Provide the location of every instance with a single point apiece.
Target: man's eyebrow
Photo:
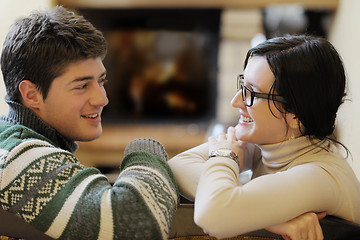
(88, 77)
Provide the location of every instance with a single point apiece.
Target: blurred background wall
(345, 35)
(10, 10)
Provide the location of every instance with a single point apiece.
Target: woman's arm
(187, 167)
(224, 208)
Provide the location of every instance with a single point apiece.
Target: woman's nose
(237, 101)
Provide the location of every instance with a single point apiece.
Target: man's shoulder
(18, 141)
(14, 135)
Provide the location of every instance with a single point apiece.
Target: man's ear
(30, 94)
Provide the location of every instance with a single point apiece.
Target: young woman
(288, 97)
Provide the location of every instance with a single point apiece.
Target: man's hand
(305, 226)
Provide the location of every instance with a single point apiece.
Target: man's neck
(21, 115)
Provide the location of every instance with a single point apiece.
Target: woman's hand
(305, 226)
(228, 141)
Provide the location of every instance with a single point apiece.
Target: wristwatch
(225, 152)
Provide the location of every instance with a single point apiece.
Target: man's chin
(88, 138)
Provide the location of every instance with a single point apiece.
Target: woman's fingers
(231, 134)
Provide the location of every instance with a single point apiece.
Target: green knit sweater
(43, 183)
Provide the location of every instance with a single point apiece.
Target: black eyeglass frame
(241, 85)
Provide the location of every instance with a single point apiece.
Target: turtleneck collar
(281, 155)
(19, 114)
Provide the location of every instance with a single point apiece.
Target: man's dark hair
(39, 48)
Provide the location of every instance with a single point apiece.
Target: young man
(54, 77)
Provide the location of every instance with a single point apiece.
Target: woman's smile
(245, 120)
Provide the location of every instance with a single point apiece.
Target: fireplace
(177, 97)
(161, 63)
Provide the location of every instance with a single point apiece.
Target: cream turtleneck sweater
(289, 179)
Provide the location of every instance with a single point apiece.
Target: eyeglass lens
(245, 92)
(246, 96)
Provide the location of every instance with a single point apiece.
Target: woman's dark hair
(38, 48)
(310, 75)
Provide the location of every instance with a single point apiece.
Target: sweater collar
(19, 114)
(280, 155)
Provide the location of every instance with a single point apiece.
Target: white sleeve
(187, 167)
(224, 208)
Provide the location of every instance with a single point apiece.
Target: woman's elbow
(211, 223)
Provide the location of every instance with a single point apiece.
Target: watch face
(224, 151)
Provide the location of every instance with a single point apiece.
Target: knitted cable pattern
(48, 187)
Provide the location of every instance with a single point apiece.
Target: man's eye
(103, 81)
(82, 86)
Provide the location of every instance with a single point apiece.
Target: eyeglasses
(248, 95)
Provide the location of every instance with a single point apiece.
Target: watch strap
(225, 152)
